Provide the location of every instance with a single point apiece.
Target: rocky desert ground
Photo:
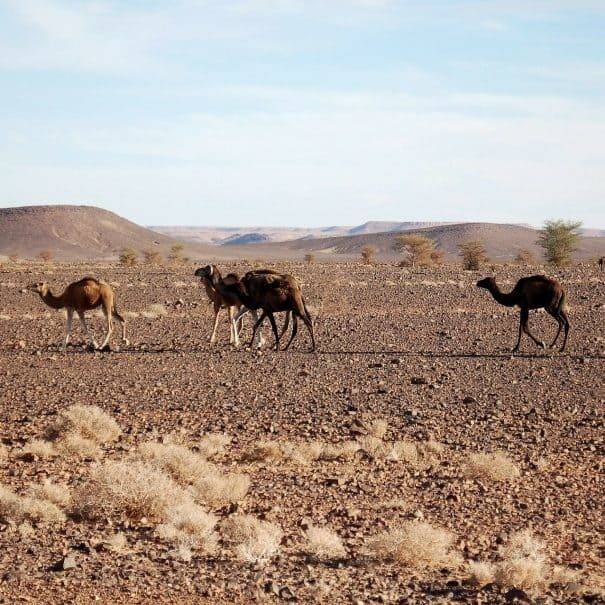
(411, 459)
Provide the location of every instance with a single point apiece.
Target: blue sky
(305, 112)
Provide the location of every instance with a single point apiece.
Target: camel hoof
(542, 344)
(105, 349)
(126, 342)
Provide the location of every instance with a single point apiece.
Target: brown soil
(427, 351)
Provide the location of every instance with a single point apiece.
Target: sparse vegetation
(324, 543)
(309, 258)
(17, 509)
(416, 544)
(52, 492)
(525, 257)
(176, 254)
(88, 421)
(420, 251)
(218, 490)
(367, 255)
(473, 255)
(559, 239)
(45, 256)
(152, 257)
(128, 257)
(496, 467)
(255, 541)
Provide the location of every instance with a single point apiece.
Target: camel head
(40, 288)
(205, 272)
(487, 282)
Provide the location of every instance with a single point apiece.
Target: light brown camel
(81, 296)
(273, 293)
(535, 292)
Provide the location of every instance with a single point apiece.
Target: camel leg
(516, 348)
(275, 332)
(234, 330)
(70, 316)
(565, 319)
(91, 338)
(524, 323)
(309, 325)
(123, 324)
(217, 311)
(259, 339)
(294, 331)
(109, 320)
(256, 326)
(286, 325)
(560, 321)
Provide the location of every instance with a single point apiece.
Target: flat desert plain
(411, 459)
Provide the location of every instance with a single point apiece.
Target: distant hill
(502, 241)
(77, 232)
(244, 239)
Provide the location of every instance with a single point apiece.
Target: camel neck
(502, 297)
(55, 302)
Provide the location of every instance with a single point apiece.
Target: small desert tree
(309, 258)
(418, 249)
(128, 257)
(367, 255)
(45, 255)
(437, 256)
(176, 253)
(152, 257)
(558, 240)
(525, 257)
(13, 258)
(473, 254)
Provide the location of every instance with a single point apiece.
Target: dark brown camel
(601, 262)
(535, 292)
(274, 293)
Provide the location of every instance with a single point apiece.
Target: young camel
(81, 296)
(274, 293)
(536, 292)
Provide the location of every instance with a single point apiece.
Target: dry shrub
(218, 490)
(76, 445)
(116, 543)
(404, 451)
(378, 428)
(339, 451)
(178, 461)
(18, 509)
(213, 444)
(255, 541)
(482, 573)
(302, 453)
(373, 446)
(490, 466)
(189, 525)
(155, 310)
(134, 489)
(88, 421)
(52, 492)
(38, 448)
(416, 544)
(324, 543)
(264, 451)
(3, 452)
(423, 454)
(524, 564)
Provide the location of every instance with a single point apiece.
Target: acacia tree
(420, 251)
(128, 257)
(367, 254)
(473, 254)
(176, 253)
(152, 257)
(45, 255)
(558, 239)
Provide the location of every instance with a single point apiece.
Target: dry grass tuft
(378, 428)
(3, 452)
(421, 455)
(134, 489)
(75, 445)
(88, 421)
(264, 451)
(374, 447)
(19, 509)
(178, 461)
(213, 444)
(490, 466)
(416, 544)
(191, 526)
(154, 311)
(324, 543)
(340, 451)
(524, 564)
(218, 490)
(482, 573)
(38, 448)
(116, 543)
(255, 541)
(52, 492)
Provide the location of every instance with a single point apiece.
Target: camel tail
(116, 313)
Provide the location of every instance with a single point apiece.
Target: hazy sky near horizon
(305, 112)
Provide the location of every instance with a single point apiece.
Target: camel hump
(84, 280)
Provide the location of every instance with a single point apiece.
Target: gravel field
(425, 351)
